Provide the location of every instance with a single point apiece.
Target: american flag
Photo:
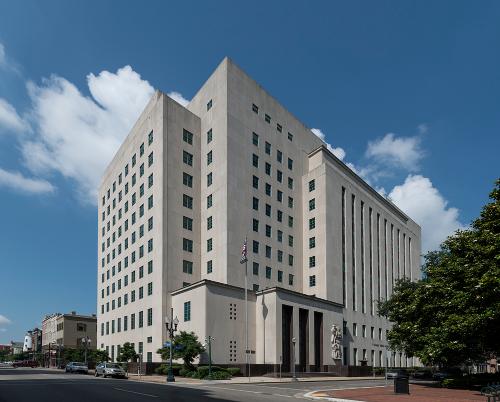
(244, 253)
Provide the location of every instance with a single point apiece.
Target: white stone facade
(323, 246)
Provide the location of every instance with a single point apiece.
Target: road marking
(133, 392)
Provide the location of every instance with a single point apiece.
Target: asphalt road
(54, 386)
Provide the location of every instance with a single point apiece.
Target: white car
(110, 370)
(77, 367)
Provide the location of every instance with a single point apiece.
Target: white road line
(233, 389)
(133, 392)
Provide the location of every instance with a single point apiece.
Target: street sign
(166, 345)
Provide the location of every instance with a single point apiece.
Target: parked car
(396, 373)
(77, 367)
(110, 370)
(422, 374)
(447, 373)
(25, 363)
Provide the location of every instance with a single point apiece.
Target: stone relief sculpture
(336, 341)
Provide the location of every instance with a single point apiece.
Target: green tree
(127, 353)
(186, 347)
(98, 356)
(452, 315)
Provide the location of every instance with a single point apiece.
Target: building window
(312, 223)
(255, 160)
(255, 225)
(312, 185)
(290, 183)
(187, 179)
(150, 181)
(134, 159)
(279, 176)
(290, 136)
(312, 204)
(187, 201)
(255, 246)
(354, 329)
(187, 267)
(280, 276)
(312, 261)
(268, 169)
(209, 267)
(187, 137)
(290, 240)
(255, 182)
(279, 196)
(150, 317)
(268, 210)
(150, 159)
(255, 108)
(268, 231)
(150, 267)
(209, 244)
(312, 242)
(209, 201)
(280, 236)
(267, 118)
(256, 268)
(268, 251)
(268, 272)
(187, 245)
(290, 221)
(290, 202)
(187, 311)
(279, 127)
(150, 202)
(209, 223)
(290, 279)
(268, 189)
(255, 139)
(255, 203)
(290, 260)
(150, 138)
(209, 179)
(312, 281)
(267, 148)
(209, 158)
(279, 216)
(141, 319)
(280, 256)
(187, 158)
(187, 223)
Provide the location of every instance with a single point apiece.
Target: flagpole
(246, 319)
(244, 259)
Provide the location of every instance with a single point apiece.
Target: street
(50, 385)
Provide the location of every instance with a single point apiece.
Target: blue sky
(406, 92)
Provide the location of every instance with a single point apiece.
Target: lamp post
(294, 376)
(209, 340)
(171, 325)
(86, 342)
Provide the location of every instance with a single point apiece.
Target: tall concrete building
(190, 184)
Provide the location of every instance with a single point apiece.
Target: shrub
(184, 372)
(234, 371)
(163, 369)
(219, 375)
(202, 371)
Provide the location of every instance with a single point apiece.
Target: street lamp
(294, 376)
(86, 342)
(171, 325)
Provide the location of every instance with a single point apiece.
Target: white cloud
(76, 135)
(338, 152)
(9, 118)
(17, 181)
(176, 96)
(422, 128)
(420, 200)
(403, 152)
(4, 320)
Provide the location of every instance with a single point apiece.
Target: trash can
(401, 384)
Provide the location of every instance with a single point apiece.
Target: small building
(60, 331)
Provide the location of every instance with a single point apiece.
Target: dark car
(110, 370)
(77, 367)
(422, 374)
(447, 373)
(396, 373)
(25, 363)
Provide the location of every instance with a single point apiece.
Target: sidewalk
(418, 393)
(243, 380)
